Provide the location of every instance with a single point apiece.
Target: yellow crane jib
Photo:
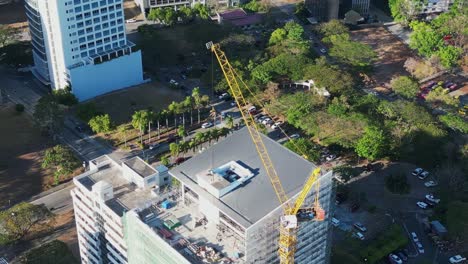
(293, 213)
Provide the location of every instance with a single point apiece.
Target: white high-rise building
(82, 44)
(217, 207)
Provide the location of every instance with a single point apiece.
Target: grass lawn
(121, 105)
(180, 44)
(21, 147)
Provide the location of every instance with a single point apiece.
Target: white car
(417, 171)
(130, 20)
(414, 237)
(359, 236)
(423, 175)
(432, 199)
(457, 259)
(224, 95)
(173, 82)
(395, 259)
(420, 247)
(330, 157)
(266, 120)
(360, 227)
(276, 125)
(430, 184)
(294, 136)
(207, 125)
(233, 103)
(422, 205)
(154, 146)
(323, 50)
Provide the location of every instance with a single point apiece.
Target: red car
(179, 160)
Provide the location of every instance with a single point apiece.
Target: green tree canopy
(7, 34)
(141, 119)
(277, 36)
(405, 86)
(373, 144)
(455, 122)
(351, 52)
(201, 11)
(101, 123)
(304, 148)
(61, 159)
(332, 78)
(405, 11)
(20, 220)
(333, 27)
(48, 114)
(441, 95)
(56, 252)
(424, 38)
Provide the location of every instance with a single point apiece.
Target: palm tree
(123, 129)
(216, 133)
(229, 121)
(225, 131)
(199, 138)
(165, 115)
(193, 144)
(181, 132)
(173, 109)
(175, 149)
(188, 104)
(197, 100)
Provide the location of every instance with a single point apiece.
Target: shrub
(86, 111)
(19, 108)
(65, 97)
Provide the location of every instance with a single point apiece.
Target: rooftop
(239, 17)
(126, 194)
(140, 167)
(249, 202)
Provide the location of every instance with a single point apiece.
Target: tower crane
(292, 211)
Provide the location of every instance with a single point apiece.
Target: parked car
(430, 184)
(266, 120)
(154, 146)
(417, 171)
(359, 235)
(335, 221)
(422, 205)
(420, 247)
(294, 136)
(368, 167)
(179, 160)
(395, 259)
(131, 20)
(423, 175)
(432, 199)
(402, 255)
(414, 237)
(457, 259)
(173, 82)
(360, 227)
(252, 110)
(323, 50)
(330, 157)
(207, 125)
(276, 125)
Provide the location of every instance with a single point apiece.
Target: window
(105, 25)
(95, 12)
(94, 5)
(113, 31)
(106, 39)
(90, 37)
(104, 18)
(79, 17)
(83, 46)
(82, 40)
(96, 20)
(78, 9)
(86, 7)
(98, 27)
(166, 178)
(80, 24)
(98, 35)
(77, 2)
(108, 47)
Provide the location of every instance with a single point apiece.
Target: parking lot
(390, 208)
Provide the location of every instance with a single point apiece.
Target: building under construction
(219, 206)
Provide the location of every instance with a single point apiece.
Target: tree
(373, 145)
(100, 124)
(333, 79)
(20, 220)
(173, 108)
(424, 38)
(351, 52)
(420, 69)
(7, 34)
(56, 252)
(156, 14)
(333, 27)
(141, 119)
(170, 16)
(229, 122)
(295, 31)
(455, 122)
(61, 159)
(181, 132)
(277, 36)
(405, 86)
(188, 104)
(449, 55)
(174, 148)
(48, 114)
(165, 161)
(441, 95)
(122, 129)
(65, 96)
(186, 14)
(404, 11)
(201, 11)
(86, 111)
(304, 148)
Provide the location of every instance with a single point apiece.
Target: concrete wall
(92, 80)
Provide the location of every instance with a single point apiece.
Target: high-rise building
(323, 10)
(216, 206)
(82, 44)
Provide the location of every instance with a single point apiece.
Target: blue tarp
(166, 204)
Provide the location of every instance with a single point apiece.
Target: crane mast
(288, 227)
